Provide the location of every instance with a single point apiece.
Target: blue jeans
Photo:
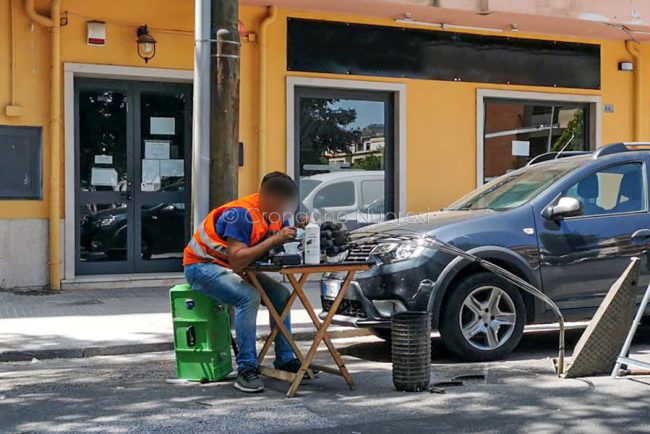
(225, 285)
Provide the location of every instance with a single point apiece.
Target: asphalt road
(130, 394)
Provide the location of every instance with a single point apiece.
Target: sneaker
(249, 381)
(293, 366)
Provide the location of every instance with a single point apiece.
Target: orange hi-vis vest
(207, 246)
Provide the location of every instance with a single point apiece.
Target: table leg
(319, 336)
(276, 317)
(274, 331)
(343, 370)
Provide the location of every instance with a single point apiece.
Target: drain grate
(81, 302)
(493, 375)
(508, 375)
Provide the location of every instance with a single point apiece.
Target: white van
(341, 192)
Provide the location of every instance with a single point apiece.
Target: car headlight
(105, 221)
(396, 252)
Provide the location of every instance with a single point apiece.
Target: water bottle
(312, 243)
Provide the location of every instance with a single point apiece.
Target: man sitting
(231, 237)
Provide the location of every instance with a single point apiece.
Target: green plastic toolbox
(201, 335)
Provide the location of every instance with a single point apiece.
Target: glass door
(103, 174)
(163, 137)
(133, 152)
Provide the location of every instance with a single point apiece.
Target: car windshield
(517, 188)
(307, 186)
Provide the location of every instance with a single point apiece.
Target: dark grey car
(568, 226)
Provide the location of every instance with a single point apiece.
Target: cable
(133, 25)
(625, 29)
(434, 243)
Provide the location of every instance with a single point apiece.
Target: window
(334, 195)
(307, 186)
(612, 190)
(371, 191)
(516, 131)
(21, 163)
(344, 147)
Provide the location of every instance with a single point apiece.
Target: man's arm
(240, 255)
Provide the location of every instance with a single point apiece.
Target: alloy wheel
(487, 317)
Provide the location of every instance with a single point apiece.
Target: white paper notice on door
(150, 186)
(162, 126)
(172, 168)
(150, 171)
(156, 149)
(520, 148)
(103, 159)
(104, 177)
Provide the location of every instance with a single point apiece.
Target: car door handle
(641, 234)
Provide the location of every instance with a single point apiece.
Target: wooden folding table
(321, 328)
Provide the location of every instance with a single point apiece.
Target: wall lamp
(625, 66)
(146, 44)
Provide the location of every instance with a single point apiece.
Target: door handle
(641, 234)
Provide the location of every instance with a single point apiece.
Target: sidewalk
(85, 323)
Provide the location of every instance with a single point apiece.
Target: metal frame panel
(336, 47)
(34, 134)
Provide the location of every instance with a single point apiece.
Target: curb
(80, 353)
(153, 347)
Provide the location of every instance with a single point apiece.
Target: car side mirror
(565, 207)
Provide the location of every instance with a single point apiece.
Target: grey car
(566, 225)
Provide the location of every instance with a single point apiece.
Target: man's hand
(240, 255)
(302, 220)
(285, 234)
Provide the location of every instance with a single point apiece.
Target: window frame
(644, 184)
(593, 120)
(398, 90)
(390, 117)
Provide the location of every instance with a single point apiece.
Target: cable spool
(333, 238)
(340, 237)
(331, 226)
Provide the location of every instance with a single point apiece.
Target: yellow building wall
(32, 52)
(441, 115)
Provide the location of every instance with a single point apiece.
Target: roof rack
(616, 148)
(548, 156)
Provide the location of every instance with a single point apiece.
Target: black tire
(381, 333)
(479, 348)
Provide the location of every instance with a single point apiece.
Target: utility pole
(201, 113)
(224, 101)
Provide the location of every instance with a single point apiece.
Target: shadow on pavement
(532, 346)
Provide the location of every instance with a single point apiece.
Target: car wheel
(483, 318)
(381, 333)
